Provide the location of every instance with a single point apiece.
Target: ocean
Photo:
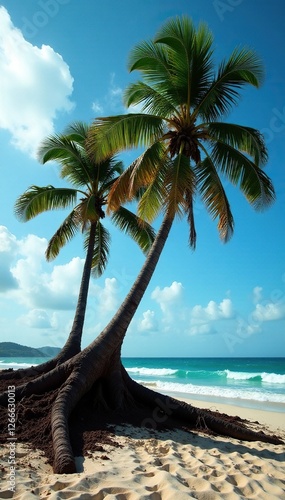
(248, 382)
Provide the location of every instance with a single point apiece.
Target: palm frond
(245, 139)
(152, 101)
(63, 235)
(240, 170)
(154, 197)
(179, 180)
(101, 249)
(77, 131)
(70, 155)
(151, 60)
(213, 195)
(36, 200)
(190, 52)
(141, 232)
(189, 209)
(243, 67)
(116, 133)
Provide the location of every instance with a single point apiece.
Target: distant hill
(12, 350)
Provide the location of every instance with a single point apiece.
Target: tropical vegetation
(91, 183)
(190, 148)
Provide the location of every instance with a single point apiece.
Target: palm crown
(189, 149)
(91, 184)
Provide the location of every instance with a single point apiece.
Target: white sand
(172, 465)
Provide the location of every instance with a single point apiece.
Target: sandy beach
(169, 465)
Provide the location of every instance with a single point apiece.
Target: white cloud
(8, 248)
(202, 318)
(97, 107)
(148, 322)
(168, 295)
(36, 84)
(107, 297)
(36, 318)
(213, 311)
(269, 312)
(257, 294)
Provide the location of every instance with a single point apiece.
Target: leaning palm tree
(187, 151)
(91, 184)
(190, 148)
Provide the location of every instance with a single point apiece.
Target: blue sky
(64, 60)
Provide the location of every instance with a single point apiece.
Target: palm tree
(187, 152)
(190, 149)
(91, 183)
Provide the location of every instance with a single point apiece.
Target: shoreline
(273, 420)
(164, 465)
(239, 403)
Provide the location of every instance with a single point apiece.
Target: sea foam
(216, 391)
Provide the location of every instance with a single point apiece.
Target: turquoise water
(250, 382)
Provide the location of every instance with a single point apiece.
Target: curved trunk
(114, 333)
(73, 344)
(95, 359)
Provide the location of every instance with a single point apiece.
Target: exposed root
(76, 410)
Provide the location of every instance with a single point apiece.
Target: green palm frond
(179, 180)
(116, 133)
(72, 158)
(36, 200)
(64, 234)
(101, 249)
(190, 52)
(243, 67)
(213, 195)
(152, 62)
(151, 100)
(141, 232)
(154, 197)
(106, 173)
(77, 131)
(240, 170)
(245, 139)
(138, 175)
(189, 209)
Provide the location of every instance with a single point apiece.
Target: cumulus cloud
(166, 296)
(169, 300)
(107, 298)
(36, 84)
(147, 323)
(213, 311)
(202, 318)
(37, 318)
(8, 248)
(269, 312)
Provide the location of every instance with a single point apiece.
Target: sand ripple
(172, 465)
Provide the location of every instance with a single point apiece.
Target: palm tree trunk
(101, 356)
(73, 344)
(115, 331)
